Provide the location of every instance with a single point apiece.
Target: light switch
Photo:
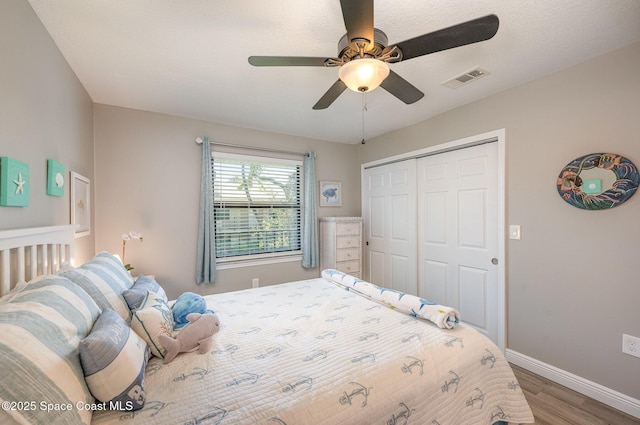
(514, 231)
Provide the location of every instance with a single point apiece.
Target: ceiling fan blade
(286, 61)
(469, 32)
(401, 88)
(358, 19)
(332, 94)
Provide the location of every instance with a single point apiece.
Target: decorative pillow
(105, 279)
(113, 358)
(40, 331)
(151, 320)
(138, 291)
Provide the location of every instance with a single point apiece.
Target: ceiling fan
(363, 53)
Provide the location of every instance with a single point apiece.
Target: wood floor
(554, 404)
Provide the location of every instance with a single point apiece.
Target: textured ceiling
(189, 57)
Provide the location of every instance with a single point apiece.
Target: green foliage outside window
(257, 207)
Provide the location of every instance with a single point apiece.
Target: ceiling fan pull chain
(364, 108)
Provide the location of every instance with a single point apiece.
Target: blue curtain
(310, 227)
(206, 261)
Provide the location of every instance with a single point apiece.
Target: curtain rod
(233, 145)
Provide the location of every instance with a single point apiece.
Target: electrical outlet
(631, 345)
(255, 282)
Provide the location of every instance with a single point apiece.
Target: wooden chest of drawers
(341, 244)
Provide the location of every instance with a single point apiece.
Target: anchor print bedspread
(311, 353)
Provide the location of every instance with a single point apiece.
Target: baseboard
(591, 389)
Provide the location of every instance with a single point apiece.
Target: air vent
(465, 78)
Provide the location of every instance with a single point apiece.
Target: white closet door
(389, 210)
(458, 233)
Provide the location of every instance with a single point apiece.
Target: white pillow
(152, 319)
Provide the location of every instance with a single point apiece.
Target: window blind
(257, 205)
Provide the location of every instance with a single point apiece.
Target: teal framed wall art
(14, 182)
(55, 178)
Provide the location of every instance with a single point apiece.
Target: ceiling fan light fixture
(365, 74)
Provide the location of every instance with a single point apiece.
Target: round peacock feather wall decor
(598, 181)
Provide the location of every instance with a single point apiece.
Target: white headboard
(28, 253)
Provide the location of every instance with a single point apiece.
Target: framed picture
(330, 194)
(14, 182)
(80, 204)
(55, 178)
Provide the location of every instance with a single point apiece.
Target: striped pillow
(40, 331)
(113, 358)
(105, 279)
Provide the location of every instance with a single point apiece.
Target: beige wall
(45, 113)
(148, 179)
(573, 285)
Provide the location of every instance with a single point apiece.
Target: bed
(307, 352)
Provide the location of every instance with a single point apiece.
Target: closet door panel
(389, 210)
(457, 224)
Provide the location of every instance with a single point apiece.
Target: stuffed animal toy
(198, 333)
(185, 304)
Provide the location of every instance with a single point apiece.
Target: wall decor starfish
(14, 182)
(20, 184)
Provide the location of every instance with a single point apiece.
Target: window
(257, 206)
